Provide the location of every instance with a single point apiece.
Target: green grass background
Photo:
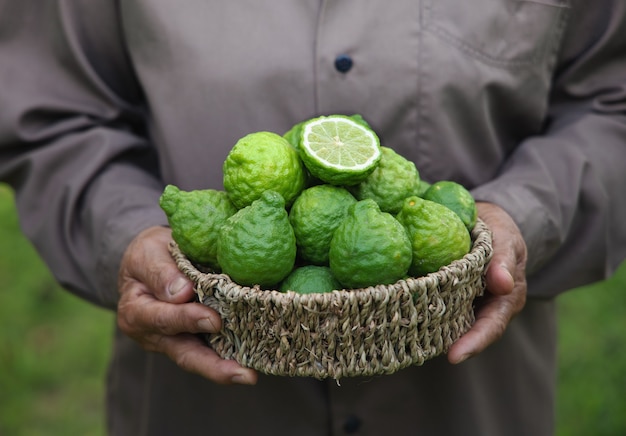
(54, 349)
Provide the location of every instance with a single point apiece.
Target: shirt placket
(366, 62)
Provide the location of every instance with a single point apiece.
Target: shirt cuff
(538, 228)
(117, 236)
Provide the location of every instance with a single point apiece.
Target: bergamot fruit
(294, 135)
(422, 188)
(259, 162)
(339, 150)
(438, 236)
(369, 247)
(256, 246)
(314, 216)
(394, 179)
(309, 279)
(195, 218)
(456, 198)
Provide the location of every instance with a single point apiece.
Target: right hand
(505, 277)
(156, 309)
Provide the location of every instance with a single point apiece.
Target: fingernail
(207, 325)
(463, 358)
(504, 267)
(510, 278)
(178, 285)
(241, 379)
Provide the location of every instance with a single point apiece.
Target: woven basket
(347, 333)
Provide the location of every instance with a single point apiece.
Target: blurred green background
(54, 350)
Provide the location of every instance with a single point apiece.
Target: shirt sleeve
(71, 142)
(565, 187)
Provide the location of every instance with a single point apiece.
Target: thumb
(148, 261)
(509, 250)
(499, 280)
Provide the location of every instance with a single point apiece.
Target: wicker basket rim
(479, 255)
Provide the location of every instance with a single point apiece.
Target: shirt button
(352, 424)
(343, 63)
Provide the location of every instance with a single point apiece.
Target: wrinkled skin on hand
(505, 295)
(156, 309)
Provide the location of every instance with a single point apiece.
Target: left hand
(505, 295)
(157, 310)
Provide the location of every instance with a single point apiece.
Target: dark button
(352, 424)
(343, 63)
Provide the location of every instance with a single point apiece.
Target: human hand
(156, 310)
(505, 295)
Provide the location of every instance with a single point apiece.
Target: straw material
(347, 333)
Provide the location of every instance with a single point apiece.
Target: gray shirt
(104, 102)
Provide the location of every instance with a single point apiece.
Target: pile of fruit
(320, 208)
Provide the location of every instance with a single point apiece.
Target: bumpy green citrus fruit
(256, 246)
(314, 216)
(369, 247)
(259, 162)
(294, 135)
(422, 188)
(339, 150)
(310, 279)
(438, 236)
(456, 198)
(195, 218)
(394, 179)
(357, 118)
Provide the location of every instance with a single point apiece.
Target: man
(104, 102)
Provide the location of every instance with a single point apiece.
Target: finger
(498, 279)
(149, 261)
(509, 250)
(139, 312)
(191, 354)
(505, 260)
(491, 322)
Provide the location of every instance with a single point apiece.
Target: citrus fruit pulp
(339, 150)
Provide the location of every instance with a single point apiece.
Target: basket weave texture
(345, 333)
